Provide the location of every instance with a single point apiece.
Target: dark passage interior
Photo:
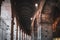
(25, 9)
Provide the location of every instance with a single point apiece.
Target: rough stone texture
(46, 32)
(5, 26)
(2, 30)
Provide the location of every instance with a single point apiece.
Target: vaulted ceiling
(25, 10)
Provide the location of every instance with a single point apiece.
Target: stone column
(6, 16)
(46, 23)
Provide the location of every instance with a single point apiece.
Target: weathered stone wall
(5, 28)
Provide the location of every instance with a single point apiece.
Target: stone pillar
(46, 23)
(6, 17)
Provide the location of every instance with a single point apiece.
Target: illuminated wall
(6, 16)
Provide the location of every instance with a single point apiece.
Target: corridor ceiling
(25, 10)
